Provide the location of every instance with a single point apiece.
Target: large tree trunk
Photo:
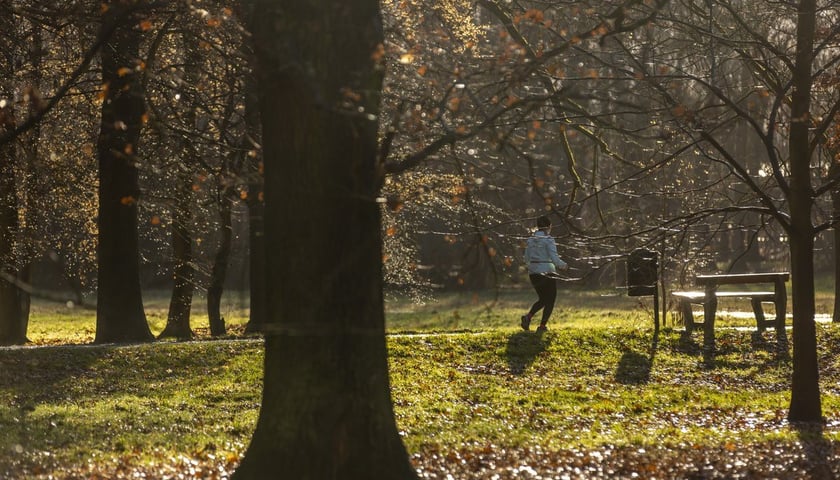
(32, 140)
(326, 409)
(12, 330)
(119, 309)
(805, 390)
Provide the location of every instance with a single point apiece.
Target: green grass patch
(478, 311)
(574, 388)
(57, 323)
(63, 406)
(470, 379)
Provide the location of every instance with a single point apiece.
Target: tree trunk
(835, 205)
(32, 140)
(180, 304)
(220, 265)
(12, 330)
(257, 317)
(256, 209)
(326, 409)
(24, 298)
(119, 309)
(805, 390)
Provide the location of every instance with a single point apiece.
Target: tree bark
(220, 266)
(180, 303)
(835, 206)
(12, 330)
(119, 310)
(257, 316)
(32, 141)
(805, 391)
(256, 209)
(326, 409)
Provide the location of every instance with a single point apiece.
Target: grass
(572, 388)
(59, 324)
(65, 406)
(461, 373)
(478, 311)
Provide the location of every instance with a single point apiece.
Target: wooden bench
(709, 296)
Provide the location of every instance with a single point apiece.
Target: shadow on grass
(523, 348)
(731, 342)
(42, 373)
(634, 368)
(817, 449)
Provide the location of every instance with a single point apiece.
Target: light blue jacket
(541, 254)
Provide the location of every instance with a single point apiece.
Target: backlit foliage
(631, 123)
(195, 128)
(58, 187)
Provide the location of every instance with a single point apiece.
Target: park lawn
(461, 390)
(53, 323)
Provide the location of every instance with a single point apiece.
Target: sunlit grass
(462, 374)
(469, 311)
(585, 388)
(54, 323)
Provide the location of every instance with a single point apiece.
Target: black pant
(546, 292)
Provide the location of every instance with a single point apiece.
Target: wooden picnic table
(711, 293)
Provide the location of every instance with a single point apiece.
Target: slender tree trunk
(251, 143)
(180, 303)
(257, 317)
(24, 298)
(805, 391)
(326, 409)
(119, 311)
(835, 205)
(256, 209)
(220, 266)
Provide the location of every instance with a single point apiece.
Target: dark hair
(543, 222)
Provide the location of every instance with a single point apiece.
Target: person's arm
(552, 252)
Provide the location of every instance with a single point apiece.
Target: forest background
(704, 130)
(485, 130)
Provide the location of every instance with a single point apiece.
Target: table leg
(758, 310)
(688, 315)
(709, 312)
(781, 309)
